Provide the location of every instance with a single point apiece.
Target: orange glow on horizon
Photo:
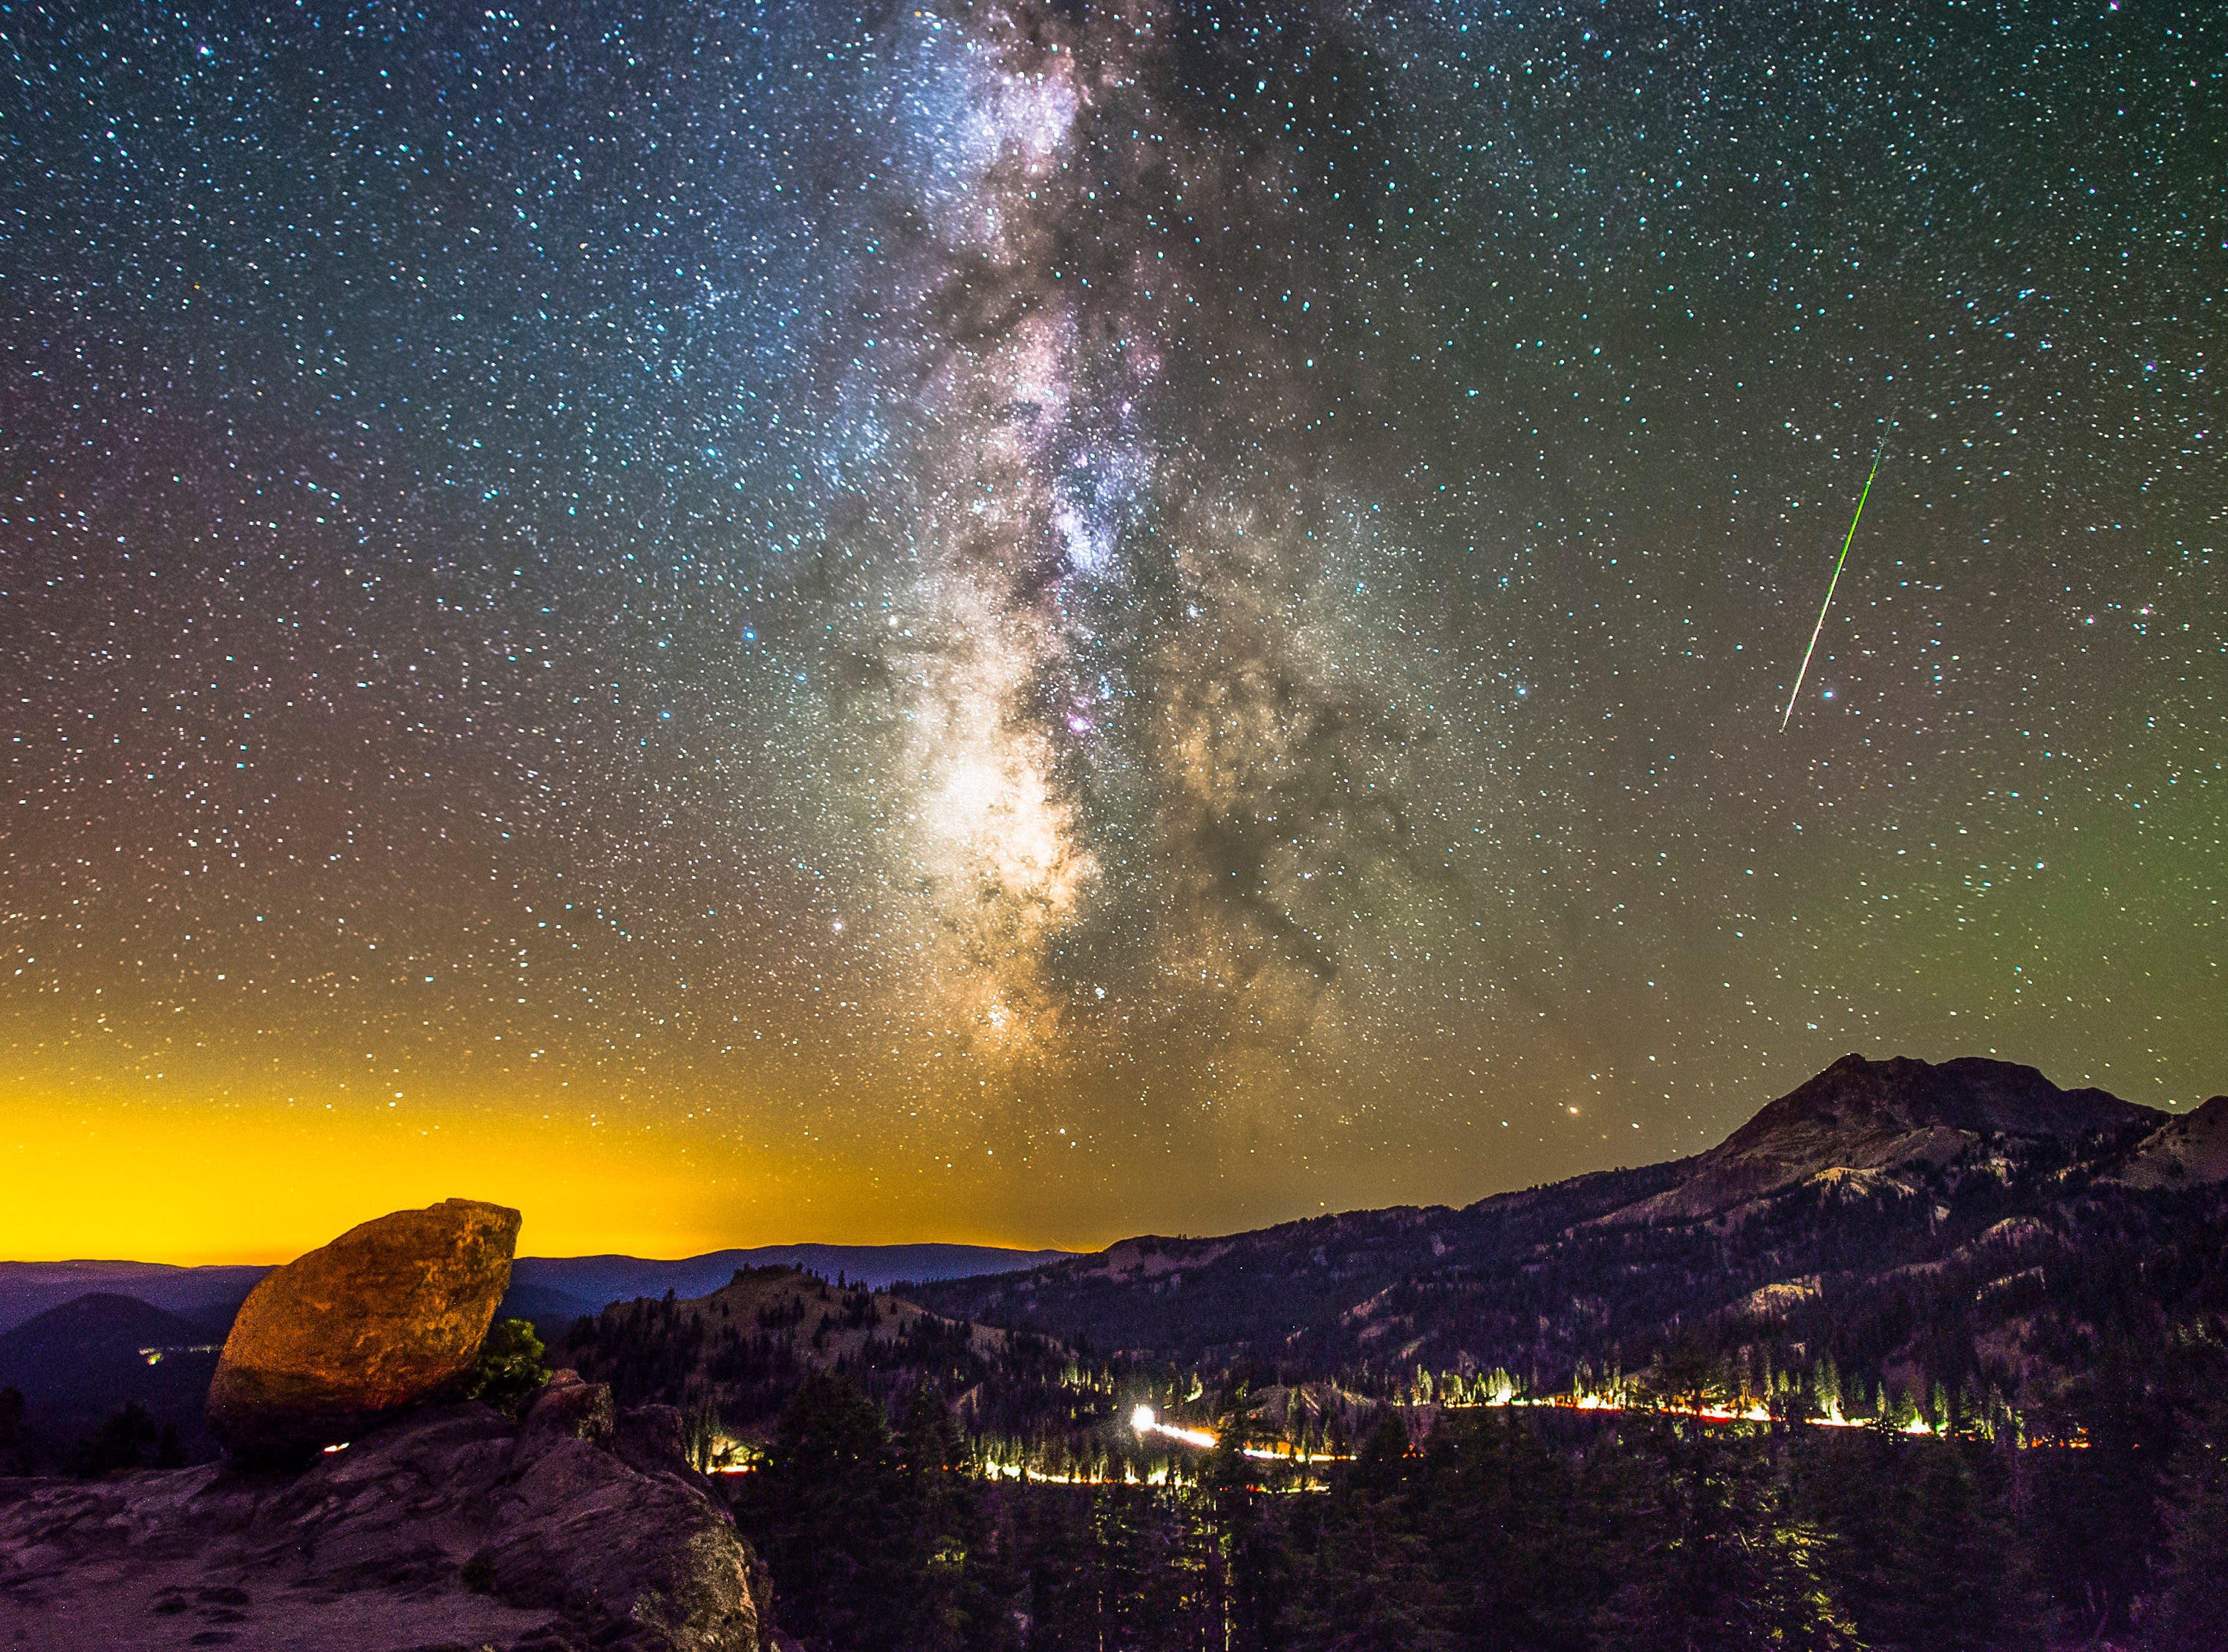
(117, 1181)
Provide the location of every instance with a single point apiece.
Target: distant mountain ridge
(543, 1287)
(1963, 1220)
(29, 1288)
(1966, 1222)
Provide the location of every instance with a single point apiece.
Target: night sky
(746, 623)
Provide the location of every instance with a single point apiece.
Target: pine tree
(1921, 1546)
(15, 1445)
(122, 1442)
(1712, 1556)
(959, 1599)
(826, 1513)
(2192, 1609)
(1370, 1586)
(1517, 1565)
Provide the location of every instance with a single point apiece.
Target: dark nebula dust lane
(1024, 622)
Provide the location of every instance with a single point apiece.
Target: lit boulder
(391, 1313)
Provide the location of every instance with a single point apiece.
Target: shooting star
(1817, 630)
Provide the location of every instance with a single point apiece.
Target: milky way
(988, 622)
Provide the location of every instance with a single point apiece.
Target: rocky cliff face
(385, 1316)
(451, 1528)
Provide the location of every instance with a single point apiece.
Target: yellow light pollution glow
(113, 1180)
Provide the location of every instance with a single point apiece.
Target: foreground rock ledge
(451, 1528)
(390, 1313)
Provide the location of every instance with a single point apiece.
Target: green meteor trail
(1838, 564)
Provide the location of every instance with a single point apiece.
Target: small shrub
(510, 1367)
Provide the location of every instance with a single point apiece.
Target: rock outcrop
(446, 1527)
(389, 1314)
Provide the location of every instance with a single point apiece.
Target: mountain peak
(1861, 1114)
(1969, 1094)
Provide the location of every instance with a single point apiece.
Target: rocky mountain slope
(1967, 1224)
(2188, 1152)
(366, 1499)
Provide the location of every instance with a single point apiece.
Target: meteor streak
(1818, 629)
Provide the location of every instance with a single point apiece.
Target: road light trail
(1817, 630)
(1143, 1421)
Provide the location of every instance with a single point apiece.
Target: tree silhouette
(126, 1440)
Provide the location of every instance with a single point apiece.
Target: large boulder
(391, 1313)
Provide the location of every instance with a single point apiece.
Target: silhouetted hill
(743, 1350)
(553, 1290)
(77, 1363)
(28, 1288)
(551, 1310)
(1280, 1286)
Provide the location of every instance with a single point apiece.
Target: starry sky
(1025, 622)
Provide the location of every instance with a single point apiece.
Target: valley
(1953, 1281)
